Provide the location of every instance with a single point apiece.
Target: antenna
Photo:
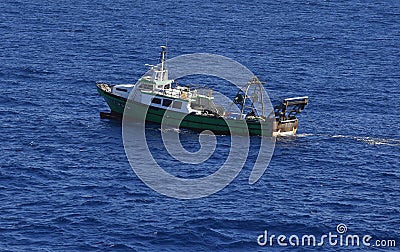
(166, 35)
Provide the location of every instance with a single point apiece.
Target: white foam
(378, 141)
(305, 135)
(372, 141)
(367, 140)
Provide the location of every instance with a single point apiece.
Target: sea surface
(66, 183)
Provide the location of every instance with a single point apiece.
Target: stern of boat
(286, 115)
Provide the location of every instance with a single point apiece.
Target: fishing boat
(155, 95)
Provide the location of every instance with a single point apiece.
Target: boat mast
(163, 70)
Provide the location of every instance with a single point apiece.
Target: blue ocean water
(66, 184)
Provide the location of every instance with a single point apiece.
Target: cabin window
(121, 89)
(167, 86)
(166, 102)
(146, 86)
(156, 101)
(177, 104)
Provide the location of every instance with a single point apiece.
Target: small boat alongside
(155, 95)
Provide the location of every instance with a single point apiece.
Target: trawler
(155, 95)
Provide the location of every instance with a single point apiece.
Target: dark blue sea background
(65, 181)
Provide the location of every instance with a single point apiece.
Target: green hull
(215, 124)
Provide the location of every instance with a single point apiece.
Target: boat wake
(305, 135)
(372, 140)
(364, 139)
